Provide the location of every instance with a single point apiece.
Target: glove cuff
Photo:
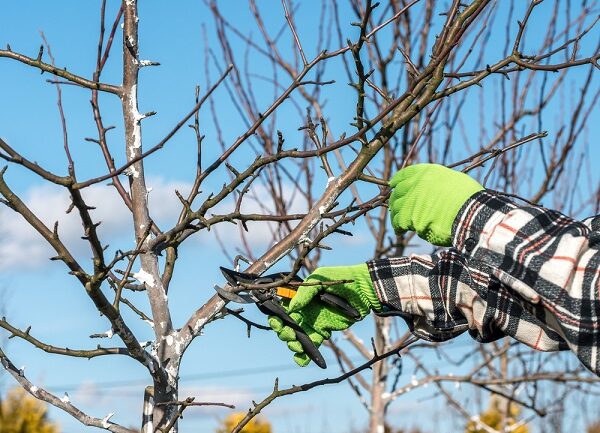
(364, 285)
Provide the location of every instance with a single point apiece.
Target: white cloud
(23, 248)
(88, 393)
(261, 234)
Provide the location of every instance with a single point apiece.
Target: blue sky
(222, 364)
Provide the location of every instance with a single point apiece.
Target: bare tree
(412, 67)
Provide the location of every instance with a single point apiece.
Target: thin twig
(161, 143)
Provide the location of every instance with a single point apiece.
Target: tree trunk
(167, 376)
(380, 371)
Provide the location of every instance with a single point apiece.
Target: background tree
(594, 427)
(501, 415)
(390, 429)
(22, 413)
(413, 68)
(256, 425)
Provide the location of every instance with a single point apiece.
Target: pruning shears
(269, 301)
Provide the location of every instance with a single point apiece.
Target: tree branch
(79, 353)
(45, 67)
(66, 406)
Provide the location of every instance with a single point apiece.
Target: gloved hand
(426, 199)
(319, 320)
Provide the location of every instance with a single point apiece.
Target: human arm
(541, 253)
(530, 248)
(549, 259)
(477, 287)
(544, 257)
(443, 295)
(440, 296)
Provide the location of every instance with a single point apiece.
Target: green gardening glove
(319, 320)
(426, 199)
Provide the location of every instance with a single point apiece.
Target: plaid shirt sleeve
(526, 272)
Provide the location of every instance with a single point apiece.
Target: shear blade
(236, 278)
(234, 297)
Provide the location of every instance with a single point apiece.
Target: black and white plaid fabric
(523, 271)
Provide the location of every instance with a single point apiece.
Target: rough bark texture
(167, 357)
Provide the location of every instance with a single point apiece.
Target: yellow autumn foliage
(495, 414)
(22, 413)
(593, 427)
(256, 425)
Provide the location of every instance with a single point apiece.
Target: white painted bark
(379, 379)
(165, 380)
